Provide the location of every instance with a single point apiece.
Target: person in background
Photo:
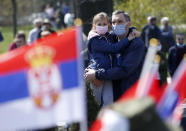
(46, 27)
(69, 19)
(176, 53)
(50, 12)
(1, 37)
(59, 18)
(33, 34)
(151, 30)
(20, 40)
(165, 27)
(167, 39)
(45, 33)
(63, 8)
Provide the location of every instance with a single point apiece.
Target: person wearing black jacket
(176, 54)
(151, 30)
(1, 37)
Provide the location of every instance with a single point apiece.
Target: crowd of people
(59, 17)
(116, 50)
(55, 19)
(41, 29)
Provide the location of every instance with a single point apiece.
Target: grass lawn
(7, 32)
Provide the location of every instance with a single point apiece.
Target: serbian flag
(175, 93)
(41, 84)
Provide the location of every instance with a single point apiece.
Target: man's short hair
(126, 15)
(152, 19)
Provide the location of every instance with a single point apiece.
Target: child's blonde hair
(100, 16)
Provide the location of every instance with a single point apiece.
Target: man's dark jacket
(129, 70)
(176, 54)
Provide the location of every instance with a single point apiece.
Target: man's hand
(131, 36)
(136, 33)
(90, 74)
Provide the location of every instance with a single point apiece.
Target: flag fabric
(150, 68)
(175, 93)
(41, 84)
(155, 91)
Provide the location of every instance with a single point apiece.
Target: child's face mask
(101, 29)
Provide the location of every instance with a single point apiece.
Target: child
(100, 48)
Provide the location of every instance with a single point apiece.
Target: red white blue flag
(41, 84)
(175, 93)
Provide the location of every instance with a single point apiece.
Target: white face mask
(159, 47)
(101, 29)
(119, 29)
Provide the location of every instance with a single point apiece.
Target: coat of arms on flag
(41, 84)
(44, 79)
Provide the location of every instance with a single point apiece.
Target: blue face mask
(180, 45)
(119, 29)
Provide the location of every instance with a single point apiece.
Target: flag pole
(78, 24)
(145, 79)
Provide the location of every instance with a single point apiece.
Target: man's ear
(129, 23)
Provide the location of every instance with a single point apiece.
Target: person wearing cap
(33, 34)
(46, 27)
(167, 39)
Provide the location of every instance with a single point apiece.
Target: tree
(14, 16)
(139, 10)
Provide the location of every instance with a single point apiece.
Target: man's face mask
(119, 29)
